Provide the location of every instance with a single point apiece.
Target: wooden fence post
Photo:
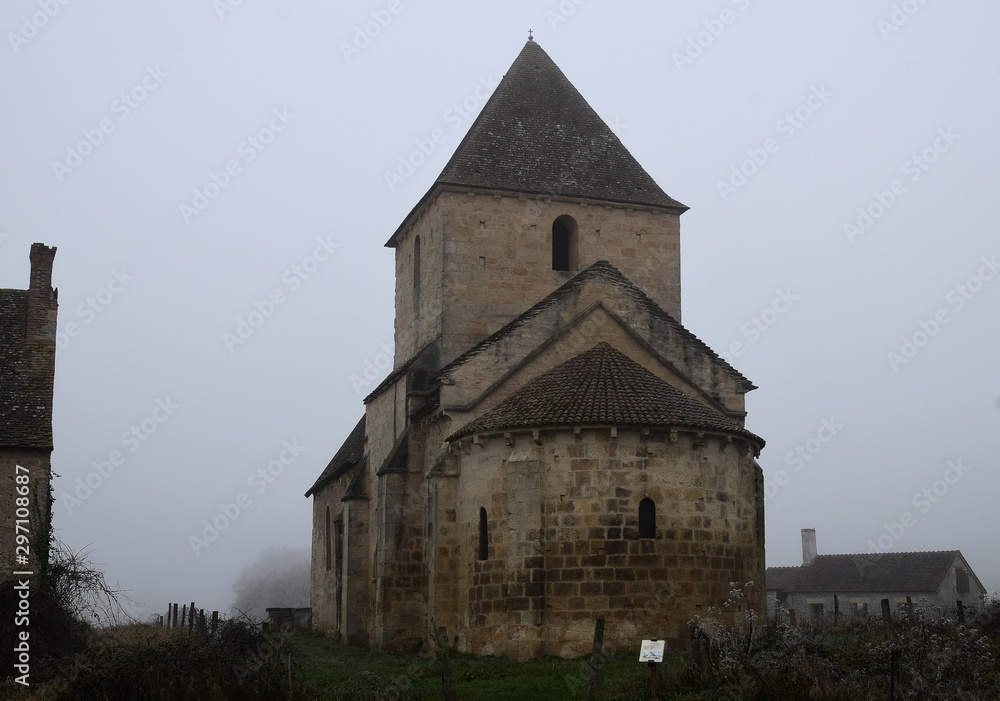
(173, 620)
(961, 611)
(215, 622)
(191, 615)
(836, 609)
(596, 659)
(184, 609)
(886, 611)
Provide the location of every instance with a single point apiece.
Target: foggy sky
(300, 125)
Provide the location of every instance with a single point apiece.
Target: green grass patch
(339, 672)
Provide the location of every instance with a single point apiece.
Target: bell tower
(539, 189)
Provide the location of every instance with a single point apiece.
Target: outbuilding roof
(872, 572)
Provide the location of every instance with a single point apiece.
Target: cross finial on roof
(531, 36)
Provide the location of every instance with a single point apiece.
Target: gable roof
(873, 572)
(601, 386)
(538, 135)
(348, 457)
(602, 270)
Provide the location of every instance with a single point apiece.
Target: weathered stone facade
(552, 445)
(27, 376)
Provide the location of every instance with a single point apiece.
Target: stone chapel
(552, 446)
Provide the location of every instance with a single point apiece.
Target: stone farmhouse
(854, 585)
(27, 375)
(552, 445)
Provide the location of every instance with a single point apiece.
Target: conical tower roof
(538, 135)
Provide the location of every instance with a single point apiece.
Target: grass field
(334, 670)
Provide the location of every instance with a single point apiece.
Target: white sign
(652, 651)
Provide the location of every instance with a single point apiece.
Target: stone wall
(563, 537)
(486, 257)
(323, 586)
(541, 340)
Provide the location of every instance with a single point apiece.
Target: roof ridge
(601, 268)
(889, 552)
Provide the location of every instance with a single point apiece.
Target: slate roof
(538, 135)
(26, 378)
(348, 457)
(602, 269)
(601, 386)
(874, 572)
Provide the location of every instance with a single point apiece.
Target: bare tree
(81, 588)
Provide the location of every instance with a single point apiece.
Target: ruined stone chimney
(42, 301)
(808, 545)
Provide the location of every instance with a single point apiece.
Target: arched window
(416, 263)
(326, 541)
(484, 536)
(647, 518)
(564, 243)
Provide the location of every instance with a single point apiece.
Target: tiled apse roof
(874, 572)
(601, 386)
